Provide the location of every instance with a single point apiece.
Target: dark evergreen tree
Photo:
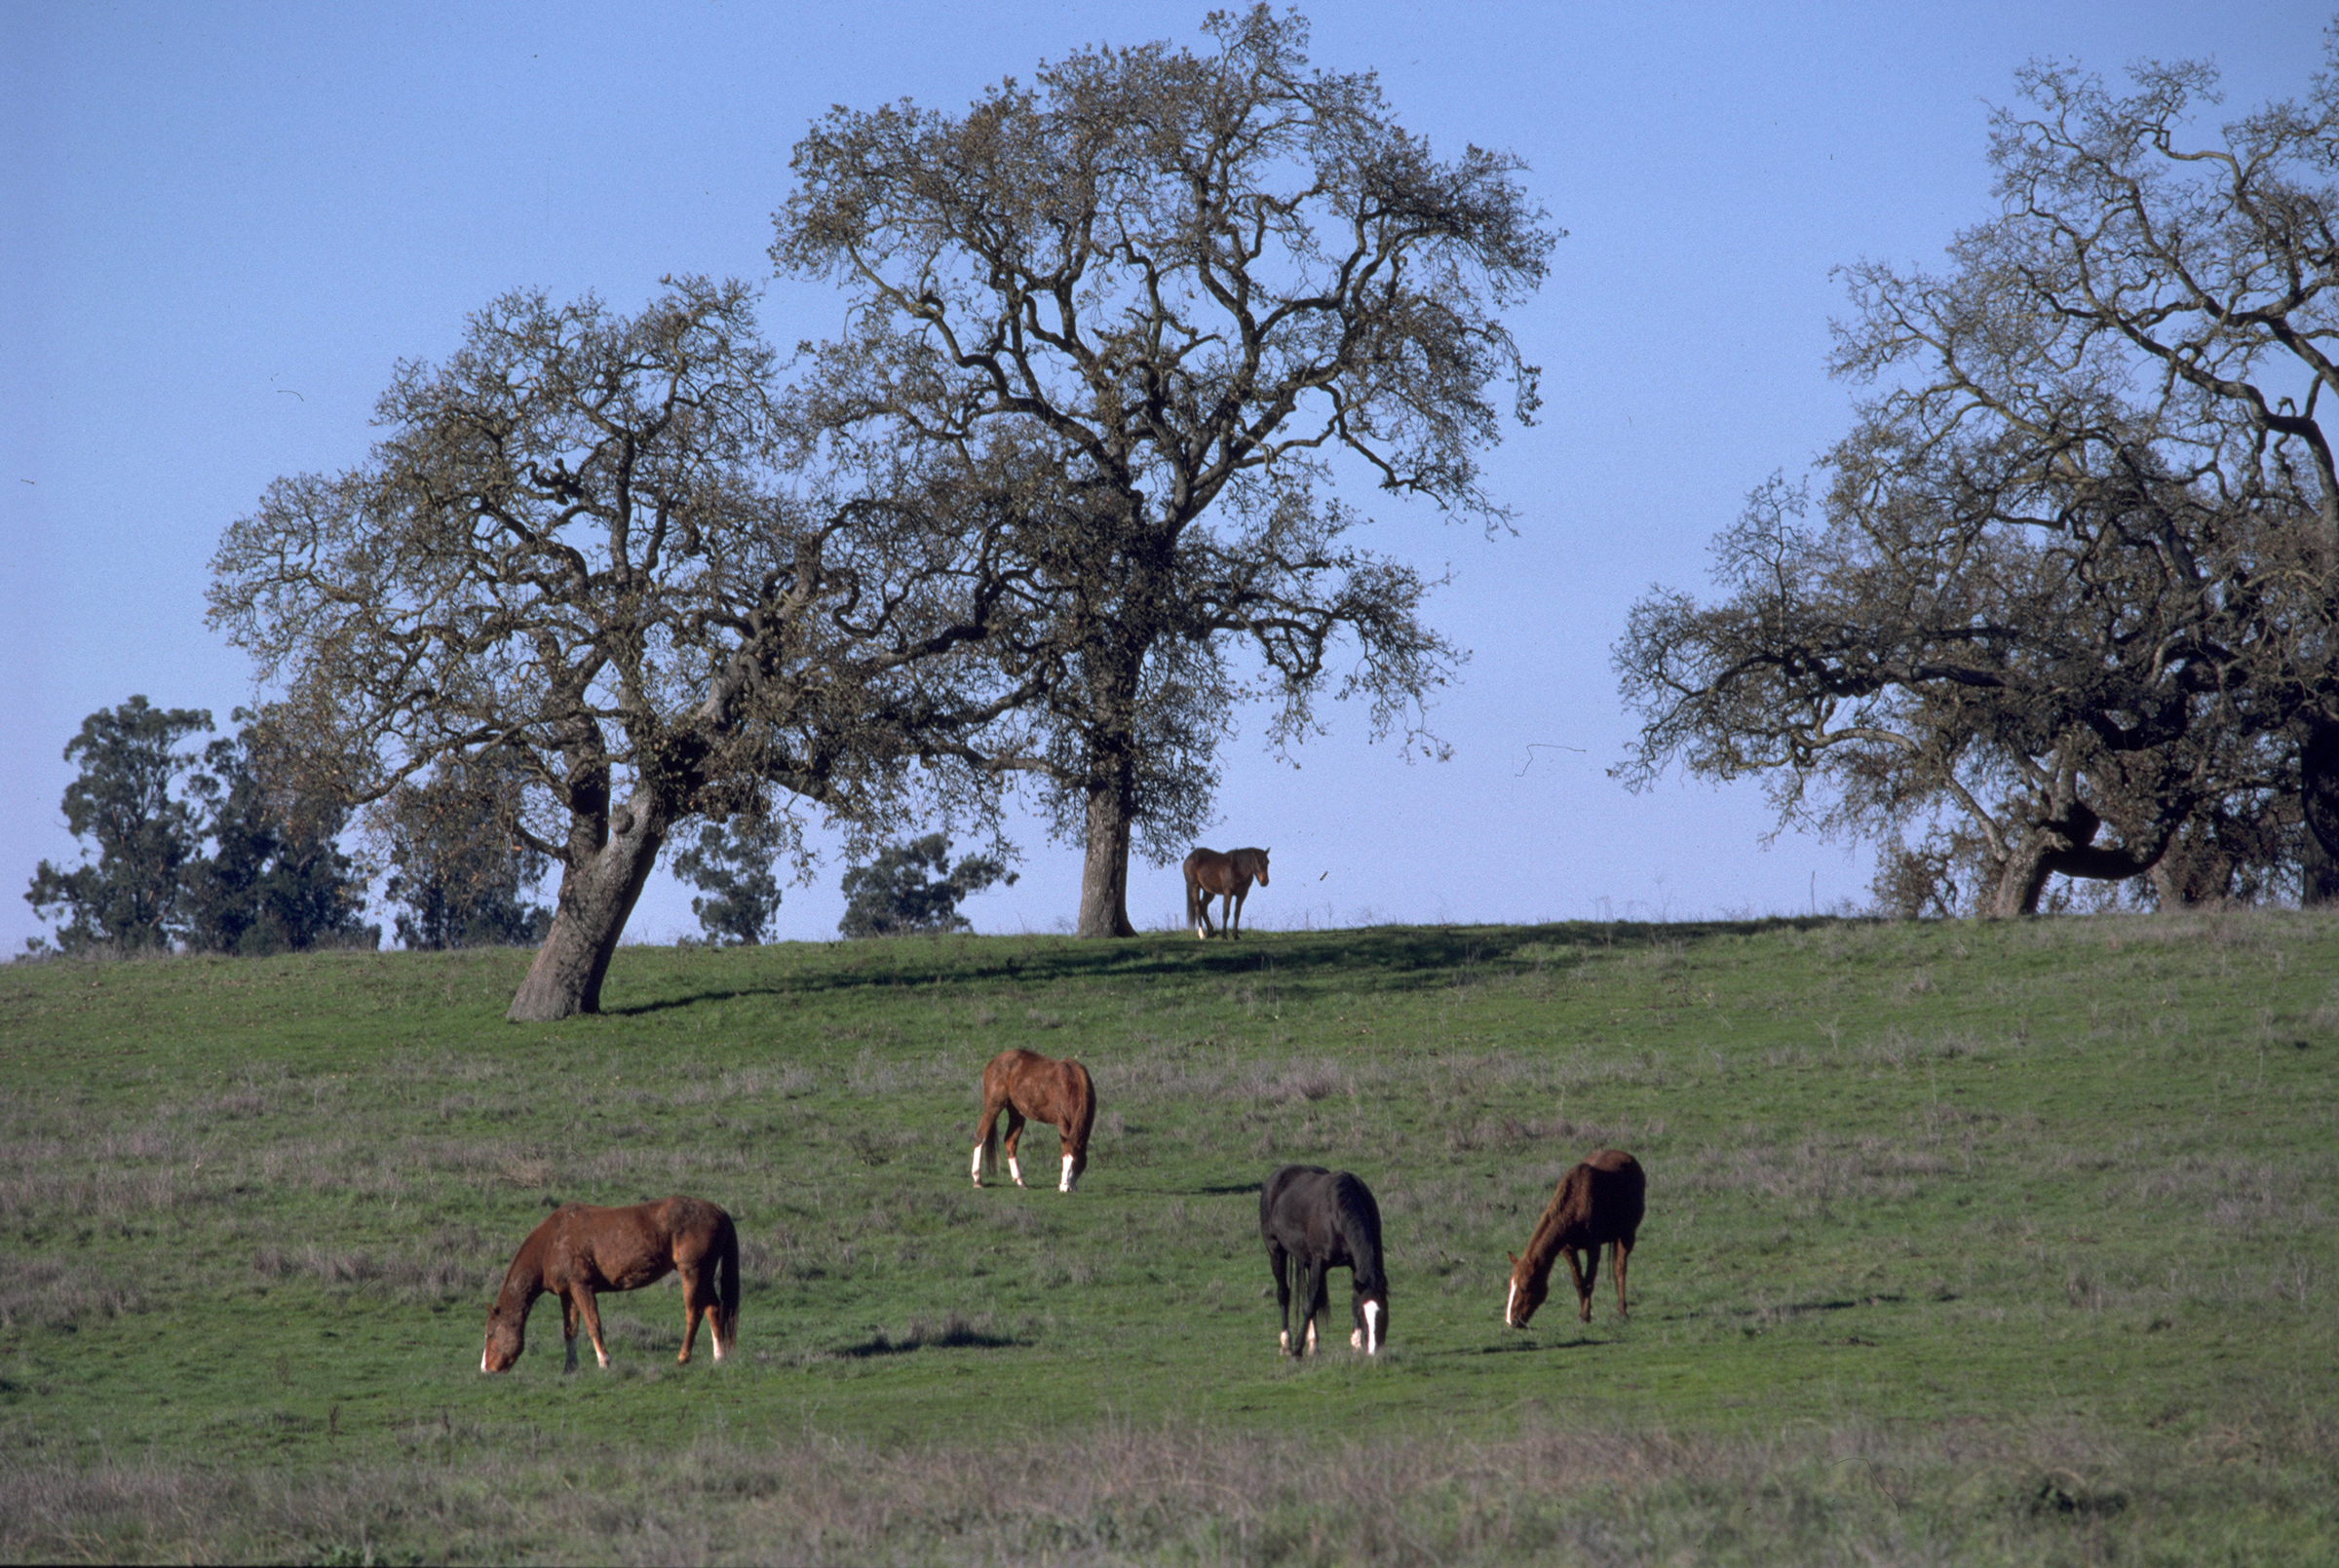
(276, 879)
(892, 896)
(732, 864)
(461, 868)
(129, 805)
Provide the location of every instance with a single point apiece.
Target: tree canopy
(1141, 309)
(2069, 606)
(578, 551)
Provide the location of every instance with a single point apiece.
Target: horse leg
(1316, 1279)
(1198, 919)
(982, 1136)
(568, 1329)
(1622, 1251)
(697, 1297)
(1280, 1261)
(1015, 1136)
(1065, 1130)
(1585, 1278)
(1234, 910)
(589, 1310)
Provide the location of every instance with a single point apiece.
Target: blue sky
(226, 224)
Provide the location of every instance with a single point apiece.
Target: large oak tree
(580, 556)
(2070, 606)
(1148, 305)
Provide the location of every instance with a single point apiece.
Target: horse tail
(726, 1277)
(1193, 890)
(1083, 1113)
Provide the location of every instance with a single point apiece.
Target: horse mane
(1360, 1220)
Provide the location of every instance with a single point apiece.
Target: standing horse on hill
(581, 1248)
(1323, 1220)
(1599, 1200)
(1025, 1084)
(1211, 874)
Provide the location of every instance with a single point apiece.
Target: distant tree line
(210, 849)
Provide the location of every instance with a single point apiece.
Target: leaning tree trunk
(1105, 869)
(597, 892)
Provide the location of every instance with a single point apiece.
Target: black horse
(1321, 1220)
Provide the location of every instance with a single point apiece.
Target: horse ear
(1512, 1257)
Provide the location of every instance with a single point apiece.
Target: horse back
(1599, 1200)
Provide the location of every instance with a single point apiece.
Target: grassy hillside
(1964, 1243)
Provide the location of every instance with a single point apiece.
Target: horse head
(1527, 1290)
(507, 1337)
(1262, 864)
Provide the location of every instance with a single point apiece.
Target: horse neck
(524, 1281)
(1364, 1253)
(1542, 1248)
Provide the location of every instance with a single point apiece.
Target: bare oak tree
(2075, 569)
(1145, 304)
(577, 553)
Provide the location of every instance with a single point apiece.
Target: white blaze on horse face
(1511, 1307)
(483, 1358)
(1067, 1184)
(1372, 1328)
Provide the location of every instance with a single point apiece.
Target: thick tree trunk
(598, 893)
(1105, 869)
(2063, 847)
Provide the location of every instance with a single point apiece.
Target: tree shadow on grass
(1373, 958)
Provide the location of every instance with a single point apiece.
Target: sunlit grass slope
(2010, 1242)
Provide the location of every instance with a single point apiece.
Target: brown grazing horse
(1025, 1084)
(1211, 874)
(580, 1249)
(1599, 1201)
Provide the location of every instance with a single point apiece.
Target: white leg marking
(1067, 1184)
(1015, 1170)
(601, 1356)
(713, 1334)
(1372, 1328)
(1311, 1350)
(1356, 1339)
(978, 1164)
(1283, 1342)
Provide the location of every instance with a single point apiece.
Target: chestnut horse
(580, 1249)
(1211, 874)
(1025, 1084)
(1323, 1220)
(1599, 1200)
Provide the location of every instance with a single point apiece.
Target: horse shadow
(951, 1336)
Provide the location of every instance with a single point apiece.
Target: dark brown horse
(1599, 1200)
(1025, 1084)
(580, 1249)
(1313, 1221)
(1211, 874)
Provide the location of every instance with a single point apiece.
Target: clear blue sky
(224, 224)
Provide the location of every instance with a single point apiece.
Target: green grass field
(1965, 1244)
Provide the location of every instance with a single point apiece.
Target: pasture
(1968, 1244)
